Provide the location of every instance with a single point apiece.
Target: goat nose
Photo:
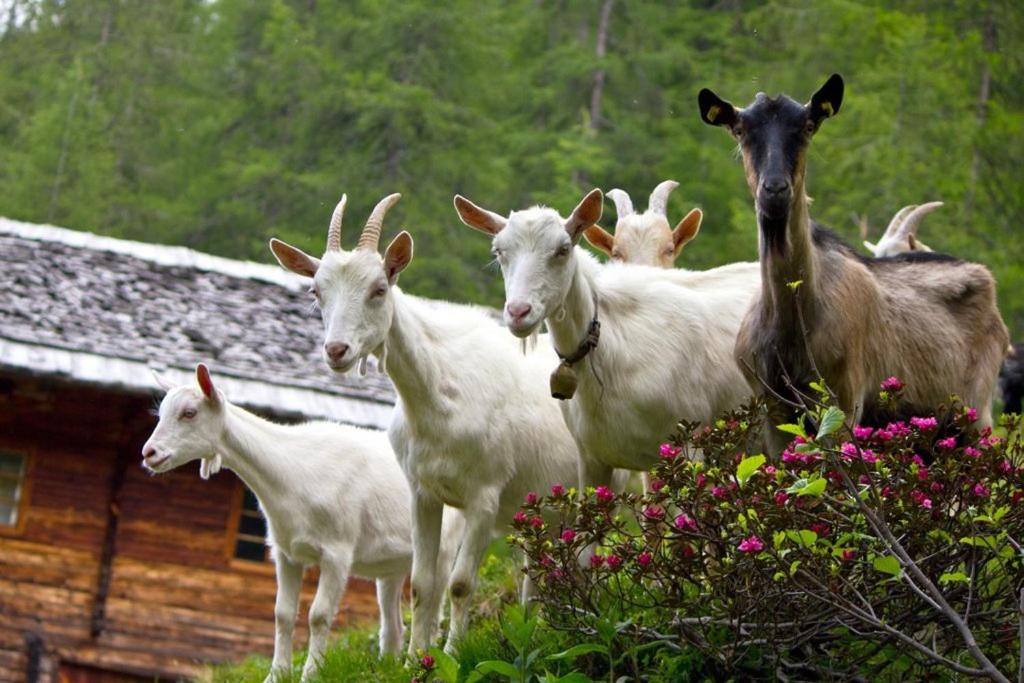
(335, 350)
(518, 310)
(148, 452)
(776, 186)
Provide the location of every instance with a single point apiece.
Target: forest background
(219, 123)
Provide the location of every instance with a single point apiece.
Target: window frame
(233, 536)
(28, 474)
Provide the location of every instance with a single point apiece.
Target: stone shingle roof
(169, 307)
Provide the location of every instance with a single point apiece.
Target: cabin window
(251, 539)
(12, 485)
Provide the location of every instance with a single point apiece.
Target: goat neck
(570, 323)
(796, 262)
(246, 447)
(413, 341)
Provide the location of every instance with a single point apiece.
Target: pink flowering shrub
(809, 564)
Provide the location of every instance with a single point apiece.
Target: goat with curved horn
(370, 237)
(334, 232)
(901, 234)
(658, 202)
(623, 204)
(909, 225)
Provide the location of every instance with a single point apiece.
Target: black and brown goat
(826, 311)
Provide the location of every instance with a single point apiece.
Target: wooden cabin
(106, 572)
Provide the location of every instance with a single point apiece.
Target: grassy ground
(353, 655)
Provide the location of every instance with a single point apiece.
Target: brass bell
(563, 382)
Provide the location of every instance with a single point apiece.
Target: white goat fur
(474, 426)
(667, 336)
(901, 234)
(333, 495)
(645, 238)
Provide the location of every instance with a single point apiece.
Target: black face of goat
(774, 134)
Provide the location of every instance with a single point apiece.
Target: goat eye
(809, 127)
(496, 253)
(315, 291)
(562, 250)
(188, 413)
(379, 290)
(738, 132)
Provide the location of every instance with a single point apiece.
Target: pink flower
(596, 561)
(536, 522)
(820, 528)
(653, 513)
(848, 449)
(936, 487)
(922, 500)
(555, 574)
(568, 535)
(883, 435)
(427, 662)
(887, 492)
(1005, 467)
(718, 492)
(670, 452)
(862, 432)
(519, 517)
(1016, 497)
(604, 494)
(657, 485)
(531, 498)
(789, 457)
(849, 555)
(892, 384)
(898, 428)
(557, 490)
(686, 523)
(752, 544)
(614, 562)
(643, 559)
(781, 497)
(868, 456)
(864, 479)
(700, 479)
(980, 491)
(972, 415)
(922, 473)
(770, 470)
(946, 444)
(917, 460)
(688, 550)
(924, 422)
(972, 452)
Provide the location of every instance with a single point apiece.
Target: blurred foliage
(219, 123)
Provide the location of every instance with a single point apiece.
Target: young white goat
(665, 350)
(901, 235)
(474, 427)
(333, 496)
(646, 238)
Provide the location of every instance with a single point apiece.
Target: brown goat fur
(929, 319)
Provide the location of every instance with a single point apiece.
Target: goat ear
(478, 218)
(687, 229)
(206, 383)
(209, 466)
(162, 381)
(826, 102)
(599, 238)
(398, 255)
(293, 259)
(586, 214)
(714, 110)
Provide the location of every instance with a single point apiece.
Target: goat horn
(334, 232)
(897, 220)
(371, 233)
(623, 204)
(659, 198)
(914, 218)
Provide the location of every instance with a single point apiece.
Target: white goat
(474, 427)
(333, 496)
(665, 350)
(901, 235)
(645, 238)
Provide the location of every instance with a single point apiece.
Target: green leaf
(814, 488)
(571, 677)
(794, 284)
(804, 537)
(831, 422)
(887, 564)
(496, 666)
(794, 566)
(747, 468)
(793, 429)
(954, 577)
(580, 650)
